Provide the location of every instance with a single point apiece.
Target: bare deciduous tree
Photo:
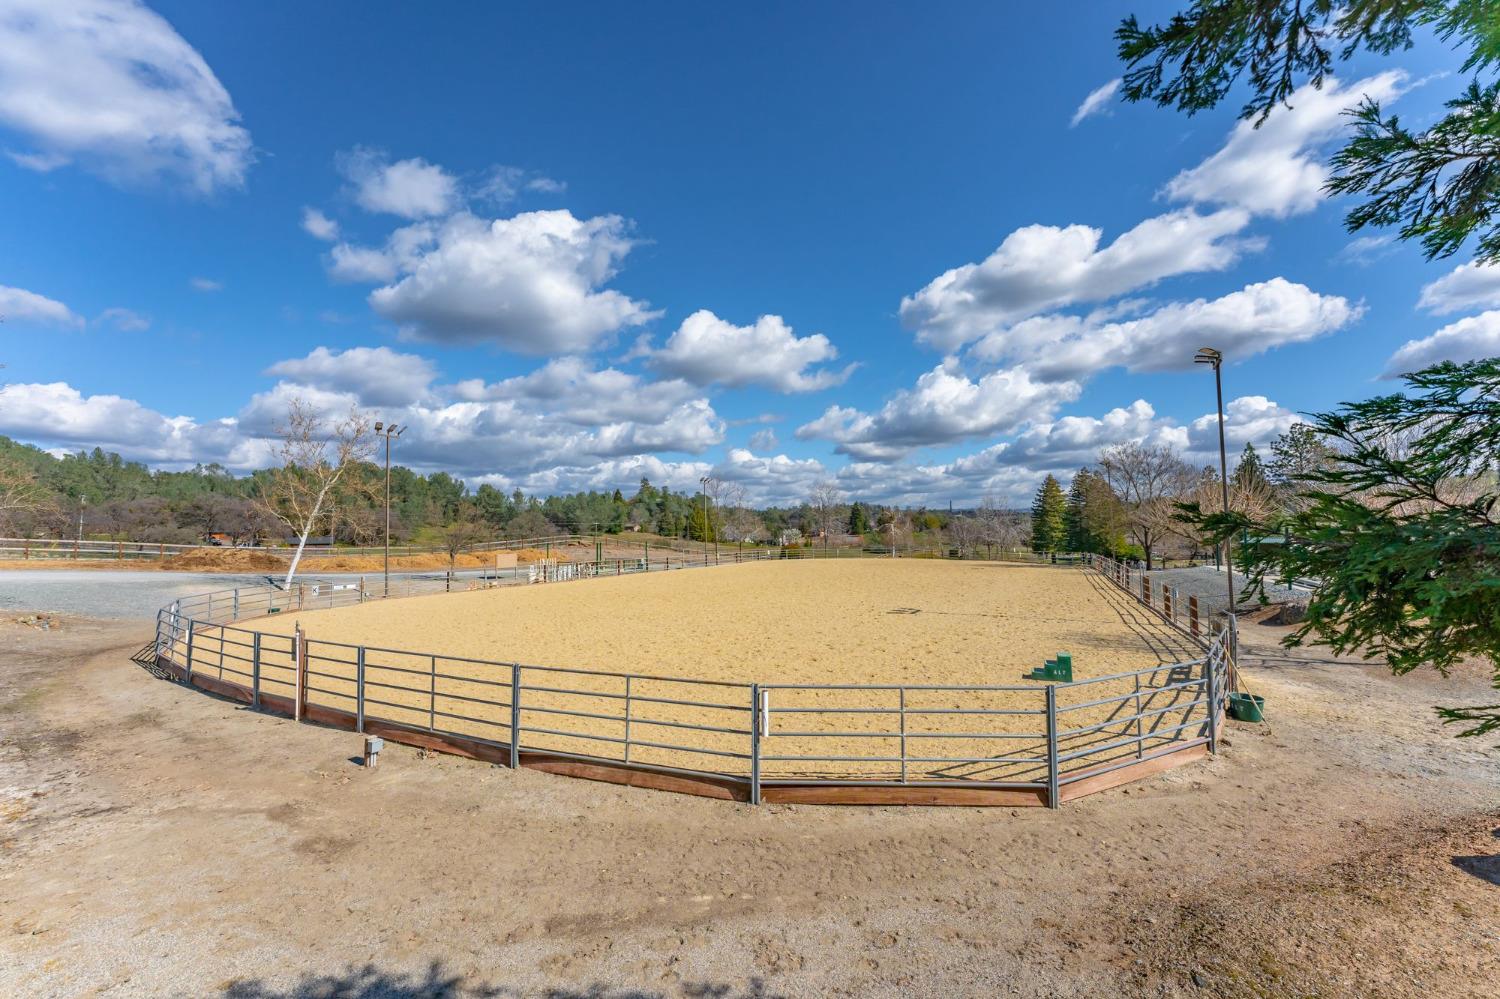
(316, 463)
(19, 492)
(826, 502)
(1149, 479)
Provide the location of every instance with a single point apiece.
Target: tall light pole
(388, 431)
(707, 530)
(1208, 355)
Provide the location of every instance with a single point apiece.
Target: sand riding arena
(837, 681)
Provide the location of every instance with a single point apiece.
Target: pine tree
(1075, 524)
(1250, 473)
(1049, 529)
(859, 519)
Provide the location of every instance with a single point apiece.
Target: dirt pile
(224, 560)
(527, 555)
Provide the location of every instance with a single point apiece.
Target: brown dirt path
(157, 841)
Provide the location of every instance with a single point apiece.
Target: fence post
(190, 651)
(627, 718)
(1052, 765)
(359, 690)
(1140, 723)
(515, 715)
(299, 660)
(255, 669)
(235, 612)
(1146, 589)
(432, 696)
(902, 705)
(755, 725)
(1193, 616)
(1208, 686)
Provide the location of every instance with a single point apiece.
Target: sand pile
(224, 560)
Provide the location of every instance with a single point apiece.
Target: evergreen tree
(859, 519)
(1095, 518)
(1436, 183)
(1404, 542)
(1049, 529)
(1250, 474)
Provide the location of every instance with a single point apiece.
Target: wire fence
(753, 738)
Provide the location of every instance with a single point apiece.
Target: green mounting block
(1059, 669)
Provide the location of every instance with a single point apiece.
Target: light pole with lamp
(707, 526)
(388, 431)
(1208, 355)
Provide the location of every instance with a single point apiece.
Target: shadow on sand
(370, 982)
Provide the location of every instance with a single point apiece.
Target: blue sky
(893, 246)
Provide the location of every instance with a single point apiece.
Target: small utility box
(373, 745)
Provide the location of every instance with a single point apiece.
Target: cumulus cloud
(763, 440)
(1097, 102)
(20, 305)
(532, 284)
(1469, 339)
(1253, 320)
(1250, 419)
(1042, 267)
(110, 85)
(584, 394)
(1468, 286)
(318, 225)
(707, 350)
(1275, 169)
(411, 188)
(58, 414)
(944, 407)
(376, 376)
(124, 320)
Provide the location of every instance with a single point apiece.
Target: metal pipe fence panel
(1031, 736)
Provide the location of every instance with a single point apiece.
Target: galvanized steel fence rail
(753, 736)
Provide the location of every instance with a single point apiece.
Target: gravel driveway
(120, 595)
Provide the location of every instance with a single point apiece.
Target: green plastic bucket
(1247, 707)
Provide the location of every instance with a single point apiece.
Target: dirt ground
(157, 841)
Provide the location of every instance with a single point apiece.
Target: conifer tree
(1049, 529)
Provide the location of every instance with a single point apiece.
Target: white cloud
(109, 84)
(412, 188)
(20, 305)
(584, 395)
(530, 284)
(1249, 419)
(377, 376)
(59, 414)
(206, 284)
(1365, 250)
(1097, 102)
(944, 407)
(318, 225)
(1253, 320)
(1469, 339)
(361, 264)
(124, 320)
(546, 185)
(763, 440)
(1041, 267)
(1468, 286)
(706, 350)
(1274, 169)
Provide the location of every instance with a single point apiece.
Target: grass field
(708, 633)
